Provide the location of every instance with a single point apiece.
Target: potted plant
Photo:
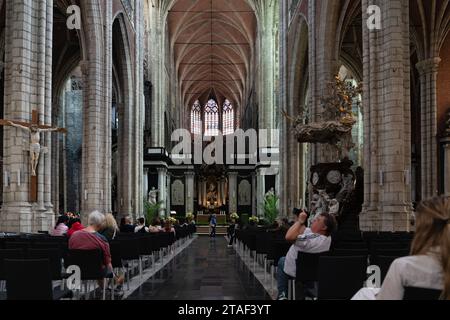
(190, 217)
(271, 208)
(152, 210)
(234, 216)
(253, 220)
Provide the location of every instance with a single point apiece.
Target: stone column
(145, 182)
(190, 191)
(232, 191)
(169, 192)
(28, 61)
(162, 181)
(224, 195)
(446, 166)
(268, 63)
(428, 70)
(49, 214)
(96, 161)
(387, 123)
(200, 192)
(260, 191)
(254, 192)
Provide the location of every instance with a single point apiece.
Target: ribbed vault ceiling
(213, 43)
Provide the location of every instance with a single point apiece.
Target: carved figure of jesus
(35, 139)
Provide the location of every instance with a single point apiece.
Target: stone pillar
(28, 64)
(323, 32)
(162, 187)
(224, 187)
(145, 182)
(387, 123)
(200, 191)
(260, 191)
(47, 32)
(446, 166)
(268, 63)
(139, 110)
(254, 192)
(232, 191)
(96, 163)
(190, 191)
(428, 70)
(158, 55)
(169, 193)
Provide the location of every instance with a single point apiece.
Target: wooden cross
(35, 142)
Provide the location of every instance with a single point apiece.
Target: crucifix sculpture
(35, 147)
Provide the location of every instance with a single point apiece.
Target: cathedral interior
(204, 107)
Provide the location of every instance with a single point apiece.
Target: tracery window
(211, 119)
(228, 118)
(196, 118)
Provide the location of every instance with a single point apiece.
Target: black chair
(395, 253)
(8, 254)
(307, 272)
(31, 280)
(341, 277)
(129, 250)
(384, 262)
(17, 245)
(91, 266)
(350, 252)
(421, 294)
(351, 245)
(54, 257)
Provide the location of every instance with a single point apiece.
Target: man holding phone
(316, 239)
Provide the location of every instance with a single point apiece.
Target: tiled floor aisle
(207, 270)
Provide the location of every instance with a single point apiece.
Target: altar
(204, 219)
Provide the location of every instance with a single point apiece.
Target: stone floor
(206, 270)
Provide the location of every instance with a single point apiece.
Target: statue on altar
(211, 195)
(153, 196)
(270, 193)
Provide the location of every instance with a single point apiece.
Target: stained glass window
(196, 118)
(228, 118)
(211, 119)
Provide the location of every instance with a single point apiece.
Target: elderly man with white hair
(91, 239)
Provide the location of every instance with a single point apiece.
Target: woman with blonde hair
(110, 228)
(428, 267)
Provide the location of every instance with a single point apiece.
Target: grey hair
(96, 218)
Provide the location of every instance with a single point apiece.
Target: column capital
(161, 170)
(428, 65)
(189, 174)
(233, 174)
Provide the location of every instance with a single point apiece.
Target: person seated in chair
(428, 267)
(141, 228)
(126, 226)
(91, 239)
(61, 227)
(316, 239)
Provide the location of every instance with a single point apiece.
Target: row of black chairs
(52, 254)
(351, 250)
(325, 277)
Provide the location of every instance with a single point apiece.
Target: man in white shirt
(316, 239)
